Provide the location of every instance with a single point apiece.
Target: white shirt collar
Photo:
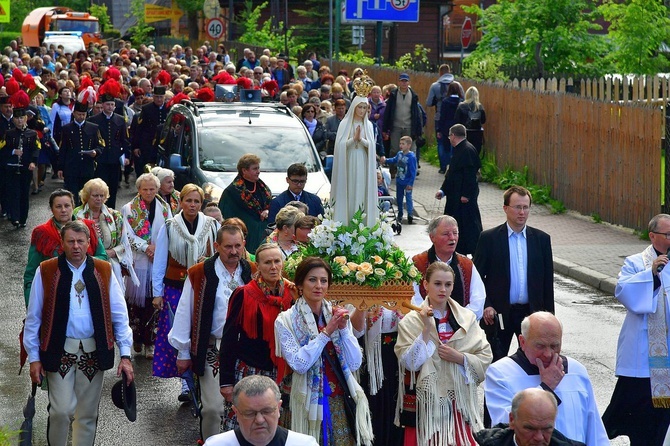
(511, 231)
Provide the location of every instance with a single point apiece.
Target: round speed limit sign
(400, 5)
(215, 28)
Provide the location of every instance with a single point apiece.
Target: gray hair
(523, 394)
(266, 247)
(255, 385)
(147, 177)
(458, 130)
(437, 221)
(656, 219)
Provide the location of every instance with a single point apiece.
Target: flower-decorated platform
(368, 267)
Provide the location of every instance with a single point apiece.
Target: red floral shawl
(46, 238)
(269, 306)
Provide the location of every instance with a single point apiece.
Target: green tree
(546, 36)
(316, 33)
(638, 30)
(191, 8)
(100, 11)
(140, 31)
(264, 35)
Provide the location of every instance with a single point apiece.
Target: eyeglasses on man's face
(297, 182)
(666, 234)
(252, 414)
(520, 208)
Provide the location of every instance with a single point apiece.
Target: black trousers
(111, 175)
(3, 190)
(17, 183)
(631, 413)
(74, 185)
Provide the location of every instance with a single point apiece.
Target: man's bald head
(533, 417)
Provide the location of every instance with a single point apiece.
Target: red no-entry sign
(466, 33)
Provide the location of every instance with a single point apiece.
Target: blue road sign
(383, 10)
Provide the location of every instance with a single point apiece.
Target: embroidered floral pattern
(88, 364)
(139, 217)
(249, 198)
(212, 359)
(389, 339)
(66, 363)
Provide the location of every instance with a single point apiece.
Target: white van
(71, 40)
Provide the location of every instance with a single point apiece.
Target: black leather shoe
(410, 219)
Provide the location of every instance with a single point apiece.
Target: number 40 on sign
(215, 28)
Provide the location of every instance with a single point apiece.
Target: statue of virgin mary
(354, 179)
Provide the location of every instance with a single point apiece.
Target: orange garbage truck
(59, 18)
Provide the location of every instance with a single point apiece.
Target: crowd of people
(199, 288)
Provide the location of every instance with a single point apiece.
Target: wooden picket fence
(599, 149)
(649, 89)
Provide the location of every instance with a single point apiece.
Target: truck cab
(59, 18)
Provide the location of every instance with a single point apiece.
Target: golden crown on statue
(363, 85)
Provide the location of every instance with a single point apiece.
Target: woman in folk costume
(446, 355)
(108, 224)
(248, 344)
(248, 198)
(185, 240)
(143, 217)
(354, 167)
(166, 190)
(317, 341)
(45, 241)
(379, 377)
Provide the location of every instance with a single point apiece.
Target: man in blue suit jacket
(516, 265)
(296, 177)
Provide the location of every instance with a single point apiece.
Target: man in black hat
(76, 313)
(117, 146)
(19, 151)
(6, 123)
(81, 145)
(145, 138)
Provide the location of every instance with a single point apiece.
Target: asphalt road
(591, 324)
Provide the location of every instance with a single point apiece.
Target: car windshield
(277, 147)
(85, 26)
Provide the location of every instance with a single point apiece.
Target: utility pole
(338, 22)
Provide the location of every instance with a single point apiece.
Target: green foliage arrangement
(356, 253)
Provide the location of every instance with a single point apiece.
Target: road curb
(585, 275)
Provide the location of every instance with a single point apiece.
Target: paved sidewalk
(586, 251)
